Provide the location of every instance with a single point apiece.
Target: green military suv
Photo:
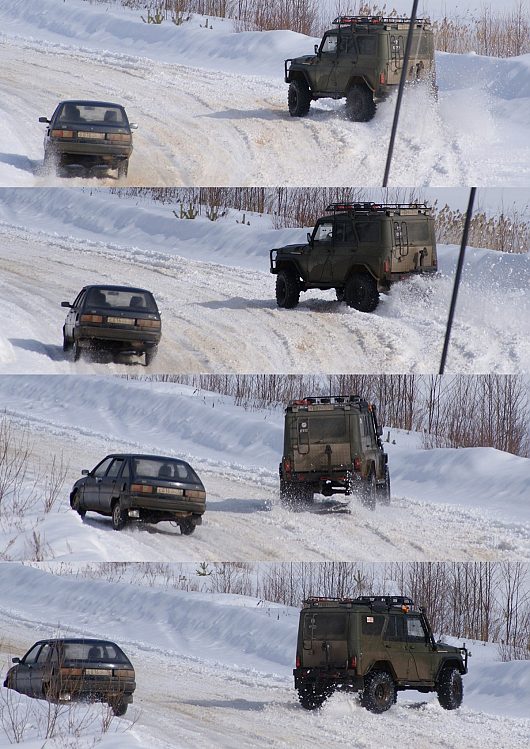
(359, 250)
(375, 645)
(360, 59)
(332, 445)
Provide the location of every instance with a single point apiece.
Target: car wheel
(150, 354)
(76, 350)
(298, 98)
(311, 698)
(369, 491)
(340, 294)
(450, 689)
(67, 343)
(119, 519)
(361, 292)
(383, 492)
(75, 504)
(379, 692)
(187, 527)
(287, 289)
(360, 105)
(119, 707)
(123, 168)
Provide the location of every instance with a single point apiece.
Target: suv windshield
(137, 301)
(164, 468)
(92, 114)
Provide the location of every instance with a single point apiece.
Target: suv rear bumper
(336, 677)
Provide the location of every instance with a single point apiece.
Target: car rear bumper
(112, 151)
(135, 338)
(182, 507)
(97, 688)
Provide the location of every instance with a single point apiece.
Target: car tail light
(386, 266)
(142, 488)
(124, 672)
(148, 323)
(195, 494)
(62, 133)
(382, 78)
(287, 465)
(353, 661)
(298, 661)
(71, 672)
(119, 137)
(91, 318)
(357, 464)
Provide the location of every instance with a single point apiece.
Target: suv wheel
(118, 518)
(361, 292)
(450, 688)
(298, 98)
(340, 294)
(383, 492)
(287, 289)
(379, 693)
(312, 698)
(360, 105)
(369, 491)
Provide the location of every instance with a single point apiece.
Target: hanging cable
(458, 275)
(402, 81)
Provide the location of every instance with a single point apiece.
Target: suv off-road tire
(379, 693)
(119, 520)
(383, 492)
(298, 98)
(361, 292)
(450, 689)
(287, 289)
(360, 105)
(369, 491)
(340, 294)
(312, 698)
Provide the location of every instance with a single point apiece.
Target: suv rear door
(325, 639)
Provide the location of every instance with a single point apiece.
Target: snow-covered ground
(447, 504)
(211, 105)
(216, 671)
(216, 295)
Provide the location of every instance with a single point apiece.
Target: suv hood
(295, 249)
(304, 60)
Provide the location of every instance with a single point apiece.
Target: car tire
(150, 354)
(369, 491)
(379, 693)
(119, 520)
(360, 105)
(287, 289)
(67, 344)
(75, 504)
(312, 698)
(361, 292)
(450, 689)
(119, 707)
(187, 527)
(298, 98)
(340, 294)
(383, 492)
(76, 350)
(123, 168)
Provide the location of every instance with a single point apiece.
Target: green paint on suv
(360, 59)
(359, 250)
(377, 646)
(332, 445)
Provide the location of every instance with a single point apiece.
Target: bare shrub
(54, 482)
(15, 715)
(15, 454)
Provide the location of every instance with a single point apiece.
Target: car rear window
(136, 301)
(169, 470)
(92, 114)
(93, 651)
(325, 626)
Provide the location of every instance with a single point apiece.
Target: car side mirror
(133, 125)
(15, 660)
(44, 119)
(309, 239)
(65, 304)
(85, 472)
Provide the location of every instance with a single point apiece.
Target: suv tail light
(386, 266)
(382, 78)
(353, 661)
(287, 465)
(298, 661)
(357, 464)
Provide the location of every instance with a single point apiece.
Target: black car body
(124, 319)
(75, 669)
(150, 488)
(88, 136)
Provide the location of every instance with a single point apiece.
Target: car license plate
(169, 490)
(98, 672)
(99, 136)
(121, 320)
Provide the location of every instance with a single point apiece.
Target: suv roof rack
(375, 207)
(330, 400)
(378, 21)
(389, 601)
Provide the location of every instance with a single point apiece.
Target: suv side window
(367, 45)
(415, 630)
(368, 231)
(324, 231)
(372, 624)
(343, 231)
(329, 44)
(395, 628)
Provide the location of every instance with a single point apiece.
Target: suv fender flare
(298, 75)
(382, 666)
(289, 265)
(362, 80)
(360, 269)
(453, 663)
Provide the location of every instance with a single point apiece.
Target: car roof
(75, 640)
(144, 456)
(91, 103)
(112, 287)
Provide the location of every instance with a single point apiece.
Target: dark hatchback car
(88, 137)
(149, 488)
(75, 669)
(123, 319)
